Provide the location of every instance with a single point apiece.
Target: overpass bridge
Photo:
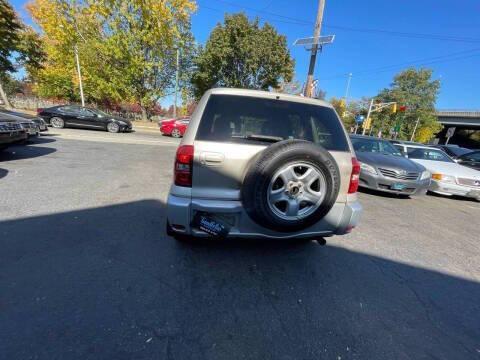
(466, 124)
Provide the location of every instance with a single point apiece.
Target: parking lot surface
(87, 272)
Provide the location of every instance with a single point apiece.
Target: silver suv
(266, 165)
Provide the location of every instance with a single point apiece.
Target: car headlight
(368, 168)
(444, 178)
(425, 175)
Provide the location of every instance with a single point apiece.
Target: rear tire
(57, 122)
(292, 185)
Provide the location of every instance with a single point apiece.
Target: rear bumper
(381, 183)
(454, 189)
(180, 211)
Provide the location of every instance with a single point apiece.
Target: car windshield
(374, 146)
(428, 154)
(249, 119)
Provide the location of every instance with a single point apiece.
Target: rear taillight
(184, 166)
(355, 177)
(39, 110)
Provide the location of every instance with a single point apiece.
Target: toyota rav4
(261, 164)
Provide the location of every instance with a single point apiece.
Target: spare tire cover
(291, 185)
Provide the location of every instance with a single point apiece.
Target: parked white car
(448, 177)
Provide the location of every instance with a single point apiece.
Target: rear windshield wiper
(259, 137)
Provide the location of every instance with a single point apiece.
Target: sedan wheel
(113, 127)
(176, 133)
(57, 122)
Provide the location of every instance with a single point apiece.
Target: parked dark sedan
(471, 159)
(384, 168)
(26, 121)
(11, 131)
(42, 125)
(454, 151)
(81, 117)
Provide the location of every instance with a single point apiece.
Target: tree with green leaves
(20, 47)
(10, 27)
(416, 90)
(241, 53)
(127, 48)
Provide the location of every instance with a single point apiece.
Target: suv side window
(233, 118)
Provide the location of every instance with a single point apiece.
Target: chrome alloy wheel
(57, 122)
(113, 127)
(296, 191)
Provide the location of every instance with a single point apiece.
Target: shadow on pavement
(108, 283)
(383, 194)
(43, 139)
(20, 152)
(3, 173)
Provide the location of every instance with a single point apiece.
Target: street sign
(321, 40)
(451, 131)
(449, 134)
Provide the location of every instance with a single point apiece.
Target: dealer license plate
(398, 186)
(211, 225)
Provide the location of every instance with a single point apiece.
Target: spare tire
(291, 185)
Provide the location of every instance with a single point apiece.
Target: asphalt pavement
(87, 272)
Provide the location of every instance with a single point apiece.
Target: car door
(70, 114)
(89, 119)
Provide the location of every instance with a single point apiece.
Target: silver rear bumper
(180, 211)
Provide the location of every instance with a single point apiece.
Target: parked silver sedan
(384, 169)
(448, 177)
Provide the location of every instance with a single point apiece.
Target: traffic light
(367, 124)
(394, 108)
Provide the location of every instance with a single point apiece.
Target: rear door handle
(211, 158)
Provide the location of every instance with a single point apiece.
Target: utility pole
(368, 115)
(348, 88)
(313, 56)
(79, 74)
(415, 129)
(177, 74)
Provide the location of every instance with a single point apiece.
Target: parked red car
(174, 127)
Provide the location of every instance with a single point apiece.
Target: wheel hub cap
(296, 191)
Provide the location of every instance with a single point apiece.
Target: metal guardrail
(458, 113)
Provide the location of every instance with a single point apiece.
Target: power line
(264, 18)
(420, 62)
(297, 21)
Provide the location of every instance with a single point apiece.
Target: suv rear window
(230, 118)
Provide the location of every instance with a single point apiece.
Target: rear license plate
(398, 186)
(211, 225)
